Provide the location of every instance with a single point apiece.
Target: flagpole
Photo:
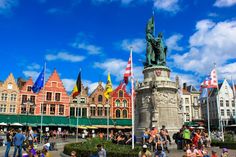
(220, 123)
(43, 93)
(132, 97)
(108, 120)
(77, 112)
(77, 119)
(208, 116)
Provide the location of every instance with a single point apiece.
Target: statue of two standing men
(155, 50)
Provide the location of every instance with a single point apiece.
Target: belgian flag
(77, 88)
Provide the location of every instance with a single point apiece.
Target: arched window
(121, 93)
(125, 114)
(117, 113)
(124, 103)
(100, 98)
(117, 103)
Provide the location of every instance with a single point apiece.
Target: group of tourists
(189, 135)
(26, 141)
(155, 140)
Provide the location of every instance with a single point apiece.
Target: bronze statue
(155, 50)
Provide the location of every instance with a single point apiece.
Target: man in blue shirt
(18, 141)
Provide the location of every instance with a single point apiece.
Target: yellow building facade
(9, 96)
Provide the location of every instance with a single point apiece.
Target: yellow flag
(108, 88)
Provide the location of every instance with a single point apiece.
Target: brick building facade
(53, 99)
(26, 94)
(98, 104)
(121, 107)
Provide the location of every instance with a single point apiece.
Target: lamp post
(27, 106)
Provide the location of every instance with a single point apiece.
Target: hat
(225, 150)
(144, 146)
(153, 126)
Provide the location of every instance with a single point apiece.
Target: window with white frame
(222, 112)
(125, 114)
(228, 112)
(187, 108)
(227, 103)
(13, 97)
(117, 103)
(187, 117)
(3, 108)
(93, 111)
(125, 103)
(61, 109)
(82, 100)
(233, 112)
(99, 111)
(186, 100)
(4, 96)
(12, 108)
(221, 103)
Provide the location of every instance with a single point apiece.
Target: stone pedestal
(157, 101)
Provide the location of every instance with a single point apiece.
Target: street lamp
(28, 104)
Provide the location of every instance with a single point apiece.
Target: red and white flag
(210, 81)
(128, 70)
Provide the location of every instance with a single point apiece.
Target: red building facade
(53, 99)
(121, 107)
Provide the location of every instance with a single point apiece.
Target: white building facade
(221, 106)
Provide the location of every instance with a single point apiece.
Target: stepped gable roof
(99, 86)
(54, 77)
(10, 79)
(121, 86)
(29, 82)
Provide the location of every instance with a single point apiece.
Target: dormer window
(29, 88)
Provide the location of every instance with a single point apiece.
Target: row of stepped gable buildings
(55, 101)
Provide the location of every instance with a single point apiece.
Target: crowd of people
(27, 141)
(155, 140)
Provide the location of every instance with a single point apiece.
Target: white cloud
(227, 71)
(7, 5)
(31, 73)
(224, 3)
(33, 66)
(172, 42)
(68, 84)
(211, 43)
(91, 49)
(65, 56)
(117, 68)
(167, 5)
(138, 45)
(81, 42)
(186, 78)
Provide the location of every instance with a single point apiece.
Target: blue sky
(95, 35)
